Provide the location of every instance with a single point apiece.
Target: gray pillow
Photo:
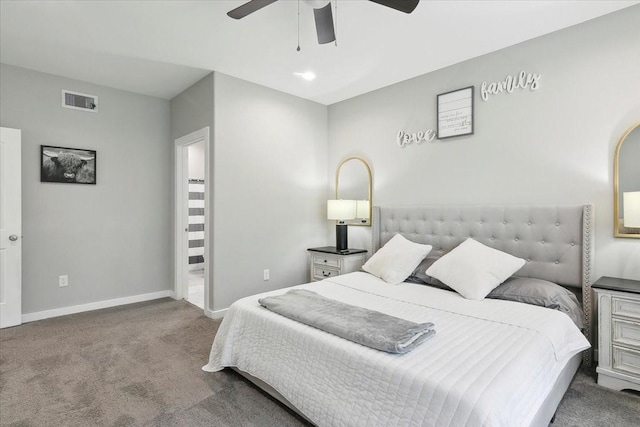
(420, 277)
(540, 292)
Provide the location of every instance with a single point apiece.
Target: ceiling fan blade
(405, 6)
(324, 24)
(249, 8)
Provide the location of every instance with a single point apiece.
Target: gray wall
(552, 146)
(112, 239)
(193, 109)
(270, 179)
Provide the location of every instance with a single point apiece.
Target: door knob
(13, 237)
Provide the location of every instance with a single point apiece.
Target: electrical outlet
(265, 275)
(63, 281)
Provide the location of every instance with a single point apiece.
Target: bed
(491, 362)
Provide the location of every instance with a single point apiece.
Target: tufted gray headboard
(556, 241)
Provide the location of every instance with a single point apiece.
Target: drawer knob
(326, 274)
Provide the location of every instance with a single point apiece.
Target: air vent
(79, 101)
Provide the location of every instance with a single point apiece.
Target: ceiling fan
(321, 12)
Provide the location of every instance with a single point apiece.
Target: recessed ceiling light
(307, 75)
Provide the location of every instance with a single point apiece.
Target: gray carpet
(140, 365)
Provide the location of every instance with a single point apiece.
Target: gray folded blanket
(363, 326)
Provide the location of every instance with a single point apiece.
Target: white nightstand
(618, 333)
(328, 262)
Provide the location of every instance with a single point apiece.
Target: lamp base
(341, 238)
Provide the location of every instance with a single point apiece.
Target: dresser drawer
(626, 333)
(324, 272)
(326, 261)
(626, 360)
(625, 307)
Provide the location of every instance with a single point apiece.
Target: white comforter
(491, 362)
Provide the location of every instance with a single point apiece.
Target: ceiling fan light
(307, 75)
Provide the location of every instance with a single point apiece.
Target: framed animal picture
(67, 165)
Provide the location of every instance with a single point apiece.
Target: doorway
(192, 261)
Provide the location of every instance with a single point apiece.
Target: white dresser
(328, 262)
(618, 333)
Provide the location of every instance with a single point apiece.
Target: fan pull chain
(298, 49)
(336, 25)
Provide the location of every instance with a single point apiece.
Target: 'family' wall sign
(523, 80)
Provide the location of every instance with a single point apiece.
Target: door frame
(11, 298)
(181, 202)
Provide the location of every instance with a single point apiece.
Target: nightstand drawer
(625, 360)
(626, 333)
(625, 307)
(324, 272)
(326, 261)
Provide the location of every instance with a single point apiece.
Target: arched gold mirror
(353, 182)
(626, 184)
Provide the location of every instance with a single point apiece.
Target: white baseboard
(217, 314)
(39, 315)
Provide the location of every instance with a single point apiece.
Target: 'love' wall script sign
(510, 83)
(403, 138)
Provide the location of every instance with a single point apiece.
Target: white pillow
(473, 269)
(396, 260)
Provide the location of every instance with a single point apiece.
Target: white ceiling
(160, 48)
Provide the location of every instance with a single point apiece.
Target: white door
(10, 228)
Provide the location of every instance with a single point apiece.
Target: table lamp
(341, 211)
